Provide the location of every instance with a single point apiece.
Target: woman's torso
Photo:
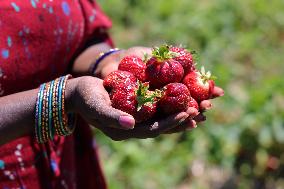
(38, 40)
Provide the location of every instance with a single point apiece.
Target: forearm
(17, 112)
(84, 61)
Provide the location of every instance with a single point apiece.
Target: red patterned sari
(38, 41)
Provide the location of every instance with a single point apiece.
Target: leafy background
(241, 145)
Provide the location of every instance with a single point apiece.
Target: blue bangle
(50, 117)
(101, 57)
(38, 113)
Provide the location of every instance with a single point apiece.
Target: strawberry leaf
(143, 95)
(163, 53)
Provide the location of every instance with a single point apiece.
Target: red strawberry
(137, 101)
(192, 103)
(175, 98)
(162, 69)
(124, 100)
(123, 89)
(134, 65)
(200, 84)
(146, 112)
(117, 78)
(184, 58)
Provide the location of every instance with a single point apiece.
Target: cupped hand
(180, 122)
(92, 102)
(153, 128)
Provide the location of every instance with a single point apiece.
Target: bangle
(66, 121)
(50, 115)
(101, 57)
(38, 118)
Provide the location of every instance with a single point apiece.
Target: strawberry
(200, 84)
(134, 65)
(192, 103)
(123, 89)
(184, 58)
(135, 100)
(162, 69)
(124, 100)
(146, 112)
(117, 78)
(175, 98)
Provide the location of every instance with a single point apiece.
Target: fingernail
(209, 106)
(127, 122)
(181, 117)
(192, 112)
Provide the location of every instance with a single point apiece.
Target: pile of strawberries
(167, 82)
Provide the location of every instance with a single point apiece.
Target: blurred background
(241, 145)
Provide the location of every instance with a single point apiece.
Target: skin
(86, 96)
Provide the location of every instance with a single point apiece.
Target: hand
(92, 102)
(175, 123)
(180, 122)
(110, 63)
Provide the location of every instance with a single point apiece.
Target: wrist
(70, 93)
(104, 60)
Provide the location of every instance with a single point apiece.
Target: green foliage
(241, 145)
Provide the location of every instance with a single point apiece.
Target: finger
(140, 51)
(205, 105)
(108, 115)
(168, 123)
(217, 92)
(145, 131)
(188, 125)
(177, 119)
(152, 130)
(200, 118)
(192, 112)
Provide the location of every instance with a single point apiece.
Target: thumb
(116, 118)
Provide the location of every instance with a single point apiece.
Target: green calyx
(143, 95)
(163, 53)
(206, 76)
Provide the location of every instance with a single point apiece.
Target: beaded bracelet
(50, 116)
(101, 57)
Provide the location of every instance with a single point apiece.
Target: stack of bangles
(50, 116)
